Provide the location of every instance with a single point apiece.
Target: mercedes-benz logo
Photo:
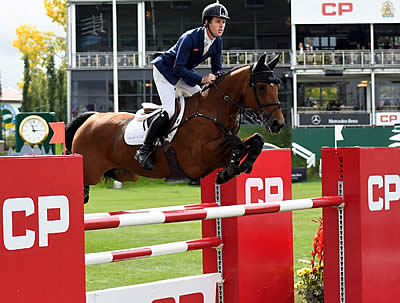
(316, 119)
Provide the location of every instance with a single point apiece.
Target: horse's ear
(273, 62)
(260, 63)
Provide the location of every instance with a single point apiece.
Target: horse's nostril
(277, 125)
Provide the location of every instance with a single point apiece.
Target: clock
(34, 129)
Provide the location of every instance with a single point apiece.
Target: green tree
(51, 83)
(61, 113)
(39, 92)
(26, 104)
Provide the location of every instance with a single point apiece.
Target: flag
(338, 134)
(58, 133)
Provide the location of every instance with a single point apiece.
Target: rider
(174, 69)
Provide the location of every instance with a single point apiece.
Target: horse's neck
(231, 87)
(211, 102)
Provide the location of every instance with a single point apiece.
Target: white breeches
(166, 91)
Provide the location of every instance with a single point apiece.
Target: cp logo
(382, 190)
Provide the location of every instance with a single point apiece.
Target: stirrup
(144, 160)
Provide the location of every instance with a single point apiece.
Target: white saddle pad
(137, 128)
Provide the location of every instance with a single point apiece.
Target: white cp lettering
(45, 226)
(383, 181)
(267, 184)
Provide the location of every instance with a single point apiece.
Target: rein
(262, 76)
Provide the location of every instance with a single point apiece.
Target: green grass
(154, 193)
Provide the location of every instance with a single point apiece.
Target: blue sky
(12, 14)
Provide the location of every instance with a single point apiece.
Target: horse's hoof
(246, 168)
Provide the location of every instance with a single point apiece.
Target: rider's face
(217, 26)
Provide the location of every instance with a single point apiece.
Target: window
(93, 28)
(352, 95)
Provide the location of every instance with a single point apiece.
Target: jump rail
(150, 251)
(160, 217)
(136, 211)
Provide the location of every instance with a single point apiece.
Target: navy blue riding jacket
(180, 60)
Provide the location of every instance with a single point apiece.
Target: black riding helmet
(214, 10)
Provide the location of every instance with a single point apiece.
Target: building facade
(340, 61)
(146, 27)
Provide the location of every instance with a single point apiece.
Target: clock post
(33, 129)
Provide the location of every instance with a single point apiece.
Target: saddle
(150, 110)
(144, 117)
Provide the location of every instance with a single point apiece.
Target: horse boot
(156, 129)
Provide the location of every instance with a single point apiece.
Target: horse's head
(262, 97)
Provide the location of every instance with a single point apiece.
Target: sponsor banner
(331, 119)
(387, 118)
(299, 174)
(194, 289)
(345, 11)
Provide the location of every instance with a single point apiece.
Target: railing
(343, 58)
(131, 59)
(306, 59)
(104, 60)
(387, 57)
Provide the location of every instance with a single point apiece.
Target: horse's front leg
(253, 146)
(233, 169)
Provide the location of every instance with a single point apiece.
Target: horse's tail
(73, 127)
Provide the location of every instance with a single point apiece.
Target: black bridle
(257, 115)
(266, 77)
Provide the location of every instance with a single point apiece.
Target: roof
(10, 95)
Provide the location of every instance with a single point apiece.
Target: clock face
(34, 129)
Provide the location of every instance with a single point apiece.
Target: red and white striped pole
(160, 217)
(146, 210)
(155, 250)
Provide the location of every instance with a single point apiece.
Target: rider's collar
(207, 26)
(207, 38)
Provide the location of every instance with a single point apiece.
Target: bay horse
(206, 138)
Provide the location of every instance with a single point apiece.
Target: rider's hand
(208, 79)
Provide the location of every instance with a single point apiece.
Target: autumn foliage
(38, 45)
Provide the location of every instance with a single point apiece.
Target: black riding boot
(156, 129)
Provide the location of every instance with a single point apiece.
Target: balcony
(89, 61)
(328, 59)
(305, 60)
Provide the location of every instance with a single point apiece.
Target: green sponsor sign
(315, 138)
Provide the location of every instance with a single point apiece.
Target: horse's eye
(260, 87)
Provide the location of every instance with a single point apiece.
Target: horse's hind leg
(86, 190)
(253, 147)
